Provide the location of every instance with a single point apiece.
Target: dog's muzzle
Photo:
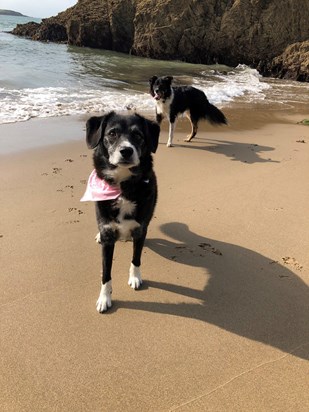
(125, 156)
(157, 96)
(126, 153)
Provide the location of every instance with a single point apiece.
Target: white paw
(105, 301)
(169, 144)
(98, 238)
(135, 279)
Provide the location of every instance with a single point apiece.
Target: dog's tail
(214, 115)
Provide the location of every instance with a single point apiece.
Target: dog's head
(160, 87)
(121, 141)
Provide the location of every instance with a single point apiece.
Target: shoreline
(37, 133)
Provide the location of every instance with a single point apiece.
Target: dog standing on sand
(124, 188)
(172, 101)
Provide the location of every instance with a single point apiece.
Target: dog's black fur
(173, 101)
(122, 157)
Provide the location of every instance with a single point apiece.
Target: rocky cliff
(272, 35)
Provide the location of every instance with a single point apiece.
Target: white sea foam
(24, 104)
(242, 82)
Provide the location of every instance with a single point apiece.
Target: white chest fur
(125, 226)
(163, 107)
(119, 174)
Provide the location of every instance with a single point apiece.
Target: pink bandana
(97, 189)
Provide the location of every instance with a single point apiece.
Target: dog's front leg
(135, 278)
(105, 301)
(159, 117)
(171, 131)
(171, 135)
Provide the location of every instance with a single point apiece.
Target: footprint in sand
(206, 247)
(288, 261)
(57, 170)
(71, 222)
(209, 248)
(74, 209)
(292, 262)
(67, 187)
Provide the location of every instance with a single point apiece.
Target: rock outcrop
(293, 63)
(44, 32)
(271, 35)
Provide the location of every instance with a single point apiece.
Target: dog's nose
(126, 152)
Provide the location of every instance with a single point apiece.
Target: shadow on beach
(242, 152)
(247, 294)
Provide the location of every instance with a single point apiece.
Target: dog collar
(98, 189)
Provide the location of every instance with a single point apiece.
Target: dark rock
(293, 63)
(53, 31)
(252, 32)
(27, 30)
(42, 31)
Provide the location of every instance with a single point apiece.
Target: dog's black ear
(153, 133)
(152, 80)
(169, 79)
(94, 129)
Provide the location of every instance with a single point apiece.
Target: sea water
(39, 79)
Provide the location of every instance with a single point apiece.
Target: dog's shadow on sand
(247, 293)
(236, 151)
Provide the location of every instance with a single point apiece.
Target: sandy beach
(221, 322)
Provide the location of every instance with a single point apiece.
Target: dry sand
(222, 320)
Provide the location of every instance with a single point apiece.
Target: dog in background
(172, 101)
(124, 188)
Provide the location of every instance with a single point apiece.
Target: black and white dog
(172, 101)
(124, 187)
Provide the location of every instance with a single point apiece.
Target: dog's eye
(112, 133)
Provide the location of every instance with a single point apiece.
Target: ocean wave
(241, 82)
(23, 104)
